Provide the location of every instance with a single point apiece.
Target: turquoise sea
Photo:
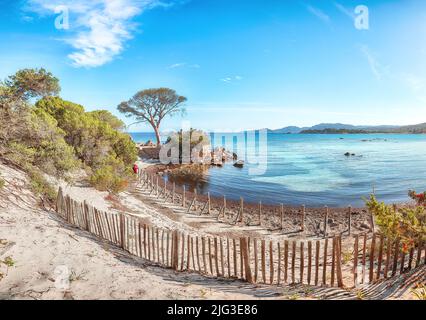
(313, 169)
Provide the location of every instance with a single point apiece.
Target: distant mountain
(348, 128)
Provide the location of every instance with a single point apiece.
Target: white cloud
(99, 28)
(176, 65)
(319, 14)
(376, 68)
(232, 79)
(345, 10)
(184, 64)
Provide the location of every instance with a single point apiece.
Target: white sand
(44, 250)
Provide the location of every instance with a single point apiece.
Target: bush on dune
(108, 152)
(406, 223)
(56, 137)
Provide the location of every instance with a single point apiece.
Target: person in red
(136, 169)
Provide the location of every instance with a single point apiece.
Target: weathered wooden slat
(241, 264)
(246, 261)
(263, 257)
(333, 261)
(326, 221)
(410, 258)
(182, 253)
(419, 253)
(158, 245)
(256, 269)
(228, 257)
(293, 263)
(222, 264)
(286, 261)
(122, 230)
(271, 263)
(175, 250)
(388, 257)
(188, 253)
(349, 220)
(371, 258)
(203, 248)
(317, 255)
(234, 245)
(140, 239)
(324, 267)
(355, 266)
(279, 263)
(197, 247)
(339, 262)
(395, 258)
(148, 233)
(216, 255)
(192, 254)
(380, 258)
(302, 261)
(364, 249)
(164, 259)
(309, 261)
(210, 256)
(402, 267)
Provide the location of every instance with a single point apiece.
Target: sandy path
(41, 249)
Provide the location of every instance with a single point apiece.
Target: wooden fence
(320, 262)
(237, 213)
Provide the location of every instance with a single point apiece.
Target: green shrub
(40, 186)
(2, 183)
(106, 179)
(406, 223)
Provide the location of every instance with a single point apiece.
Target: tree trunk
(157, 135)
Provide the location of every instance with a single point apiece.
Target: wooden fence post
(302, 261)
(339, 262)
(317, 255)
(244, 252)
(256, 269)
(349, 220)
(326, 221)
(379, 263)
(293, 263)
(263, 256)
(333, 260)
(372, 249)
(355, 267)
(324, 269)
(285, 261)
(271, 263)
(395, 257)
(122, 230)
(302, 224)
(279, 263)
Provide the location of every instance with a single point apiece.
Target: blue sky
(241, 64)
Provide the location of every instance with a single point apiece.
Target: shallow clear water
(313, 169)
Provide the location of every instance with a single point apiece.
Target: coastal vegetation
(335, 131)
(406, 223)
(42, 134)
(151, 106)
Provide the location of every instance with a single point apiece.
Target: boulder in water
(239, 164)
